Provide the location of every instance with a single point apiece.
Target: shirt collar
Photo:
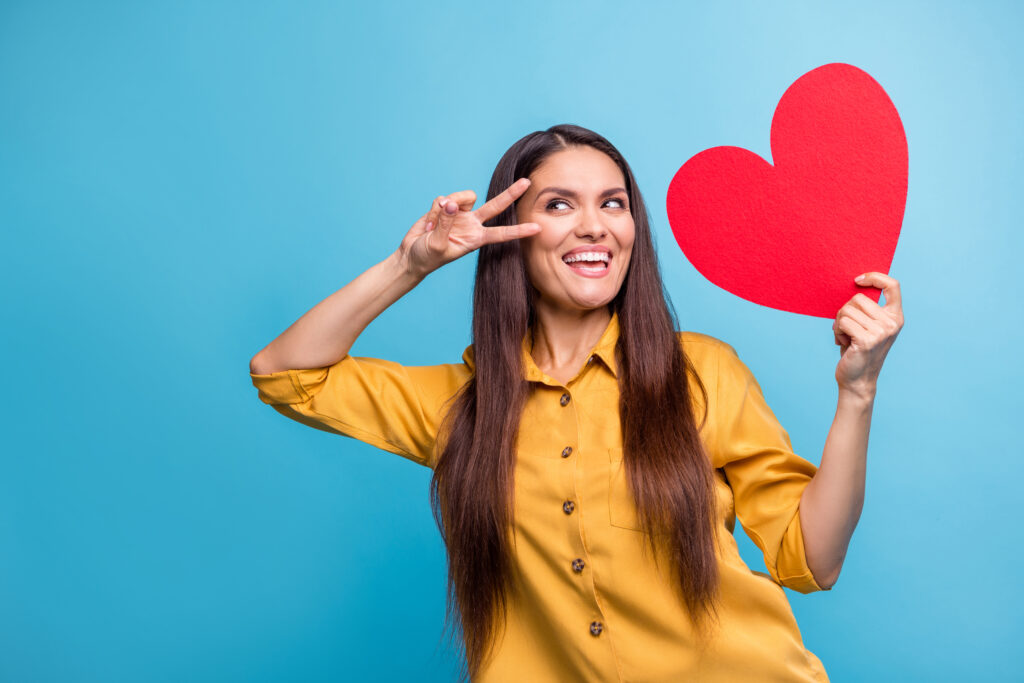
(603, 349)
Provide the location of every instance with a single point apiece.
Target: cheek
(549, 237)
(543, 246)
(534, 257)
(627, 238)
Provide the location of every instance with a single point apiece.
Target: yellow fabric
(645, 633)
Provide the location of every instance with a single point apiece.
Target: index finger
(502, 201)
(889, 286)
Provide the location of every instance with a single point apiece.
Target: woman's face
(578, 197)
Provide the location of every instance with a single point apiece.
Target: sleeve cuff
(791, 566)
(288, 387)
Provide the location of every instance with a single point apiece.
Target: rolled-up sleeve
(393, 407)
(766, 476)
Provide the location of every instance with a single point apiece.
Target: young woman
(587, 456)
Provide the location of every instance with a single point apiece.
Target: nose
(590, 225)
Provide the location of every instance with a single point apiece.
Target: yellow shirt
(590, 604)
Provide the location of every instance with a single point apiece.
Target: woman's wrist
(398, 264)
(862, 394)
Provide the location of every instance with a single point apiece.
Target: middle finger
(867, 306)
(865, 321)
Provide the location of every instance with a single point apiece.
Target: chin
(580, 298)
(592, 304)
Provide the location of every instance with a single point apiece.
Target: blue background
(180, 181)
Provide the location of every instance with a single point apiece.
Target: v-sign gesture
(452, 229)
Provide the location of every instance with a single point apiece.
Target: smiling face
(578, 197)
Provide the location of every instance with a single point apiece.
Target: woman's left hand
(864, 332)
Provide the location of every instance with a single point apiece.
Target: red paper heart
(794, 235)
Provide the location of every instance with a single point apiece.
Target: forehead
(578, 167)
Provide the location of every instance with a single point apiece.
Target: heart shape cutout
(793, 235)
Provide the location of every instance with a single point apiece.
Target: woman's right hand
(452, 229)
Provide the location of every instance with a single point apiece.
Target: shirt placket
(580, 567)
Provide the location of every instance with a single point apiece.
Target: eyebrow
(574, 195)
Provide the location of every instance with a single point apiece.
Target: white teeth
(588, 256)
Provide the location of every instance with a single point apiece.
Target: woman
(586, 455)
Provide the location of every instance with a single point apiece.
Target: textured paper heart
(793, 235)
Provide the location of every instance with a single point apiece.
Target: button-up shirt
(589, 602)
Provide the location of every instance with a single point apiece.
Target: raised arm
(325, 334)
(832, 502)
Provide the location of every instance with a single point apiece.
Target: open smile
(589, 264)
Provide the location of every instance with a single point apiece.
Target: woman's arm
(325, 334)
(831, 503)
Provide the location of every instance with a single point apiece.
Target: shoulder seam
(699, 337)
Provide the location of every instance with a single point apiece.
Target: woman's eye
(621, 203)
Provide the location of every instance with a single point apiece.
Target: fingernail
(450, 207)
(859, 278)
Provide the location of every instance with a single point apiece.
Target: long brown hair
(471, 491)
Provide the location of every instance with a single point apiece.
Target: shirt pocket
(622, 510)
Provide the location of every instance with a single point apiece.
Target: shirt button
(577, 565)
(565, 399)
(567, 451)
(595, 628)
(568, 506)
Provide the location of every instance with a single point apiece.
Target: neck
(561, 337)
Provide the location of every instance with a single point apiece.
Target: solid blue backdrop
(179, 181)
